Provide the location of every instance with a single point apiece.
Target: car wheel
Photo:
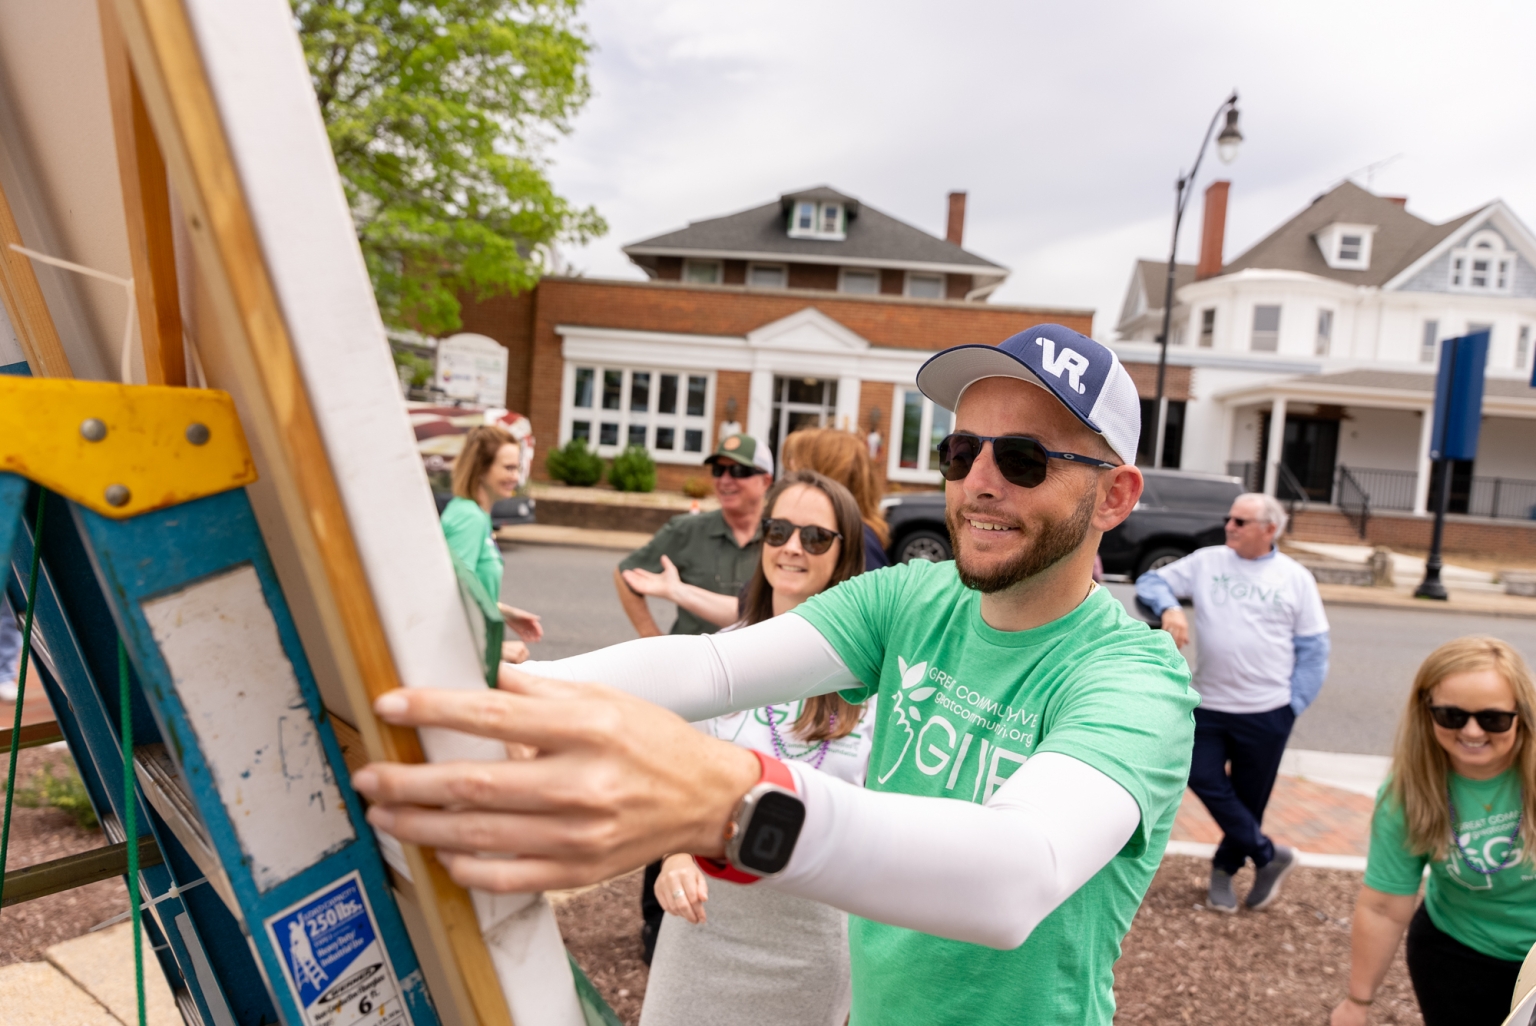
(1159, 558)
(929, 545)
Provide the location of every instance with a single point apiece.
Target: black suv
(1180, 511)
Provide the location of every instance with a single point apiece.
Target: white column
(846, 417)
(1426, 467)
(760, 405)
(1276, 444)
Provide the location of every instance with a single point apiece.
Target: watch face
(771, 833)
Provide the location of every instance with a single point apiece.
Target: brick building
(832, 337)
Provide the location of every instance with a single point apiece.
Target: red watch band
(772, 772)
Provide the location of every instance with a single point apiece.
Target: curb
(580, 537)
(1315, 860)
(1344, 595)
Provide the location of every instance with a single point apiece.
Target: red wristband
(772, 772)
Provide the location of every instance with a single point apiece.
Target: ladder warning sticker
(334, 960)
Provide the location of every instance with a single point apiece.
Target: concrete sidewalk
(87, 981)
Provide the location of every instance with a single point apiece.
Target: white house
(1330, 326)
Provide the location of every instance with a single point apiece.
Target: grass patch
(61, 788)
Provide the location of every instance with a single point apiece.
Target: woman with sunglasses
(1461, 799)
(757, 955)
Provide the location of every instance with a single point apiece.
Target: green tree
(438, 112)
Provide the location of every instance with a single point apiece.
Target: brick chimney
(955, 230)
(1401, 201)
(1214, 232)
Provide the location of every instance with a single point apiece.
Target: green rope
(130, 821)
(21, 684)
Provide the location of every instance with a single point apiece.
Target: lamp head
(1230, 138)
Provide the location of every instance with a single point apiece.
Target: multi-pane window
(1429, 342)
(1266, 329)
(664, 411)
(1207, 327)
(767, 276)
(858, 281)
(1350, 246)
(920, 427)
(1485, 265)
(925, 286)
(1324, 332)
(702, 272)
(811, 220)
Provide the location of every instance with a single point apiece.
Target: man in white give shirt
(1263, 657)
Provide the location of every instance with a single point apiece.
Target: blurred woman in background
(485, 472)
(1461, 799)
(845, 459)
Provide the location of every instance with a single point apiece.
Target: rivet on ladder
(118, 495)
(197, 434)
(92, 430)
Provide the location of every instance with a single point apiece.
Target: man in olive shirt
(716, 551)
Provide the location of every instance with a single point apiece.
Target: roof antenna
(1370, 170)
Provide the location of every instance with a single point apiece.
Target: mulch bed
(37, 835)
(1181, 964)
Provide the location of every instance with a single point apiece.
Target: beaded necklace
(1474, 864)
(778, 740)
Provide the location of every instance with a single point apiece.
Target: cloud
(1067, 124)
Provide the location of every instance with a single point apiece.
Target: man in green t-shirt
(716, 551)
(1031, 743)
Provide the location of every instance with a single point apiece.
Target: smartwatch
(761, 835)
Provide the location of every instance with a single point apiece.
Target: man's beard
(1053, 541)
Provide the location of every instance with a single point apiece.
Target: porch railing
(1505, 498)
(1353, 500)
(1383, 489)
(1502, 497)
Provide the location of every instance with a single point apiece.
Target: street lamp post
(1226, 148)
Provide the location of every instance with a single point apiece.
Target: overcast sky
(1066, 123)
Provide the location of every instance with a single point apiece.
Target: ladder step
(31, 736)
(73, 871)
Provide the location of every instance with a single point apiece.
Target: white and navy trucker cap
(1085, 375)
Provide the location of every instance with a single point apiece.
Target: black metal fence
(1360, 491)
(1384, 489)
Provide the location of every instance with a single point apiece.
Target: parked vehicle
(1180, 511)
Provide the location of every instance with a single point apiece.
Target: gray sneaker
(1266, 882)
(1221, 897)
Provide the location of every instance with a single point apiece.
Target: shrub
(574, 464)
(64, 791)
(697, 487)
(633, 470)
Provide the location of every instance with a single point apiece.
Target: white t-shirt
(846, 758)
(1247, 613)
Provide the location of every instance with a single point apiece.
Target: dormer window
(1346, 247)
(818, 221)
(1483, 265)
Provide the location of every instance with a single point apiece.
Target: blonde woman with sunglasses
(1461, 799)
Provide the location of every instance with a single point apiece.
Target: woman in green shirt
(1461, 799)
(486, 471)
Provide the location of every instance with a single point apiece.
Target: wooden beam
(31, 736)
(25, 305)
(147, 207)
(168, 66)
(73, 871)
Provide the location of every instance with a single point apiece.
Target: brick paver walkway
(1302, 813)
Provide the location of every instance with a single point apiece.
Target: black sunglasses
(720, 468)
(1020, 459)
(1240, 521)
(815, 540)
(1451, 717)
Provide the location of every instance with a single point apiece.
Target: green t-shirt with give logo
(961, 707)
(1494, 913)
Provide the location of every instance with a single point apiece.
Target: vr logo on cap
(1069, 360)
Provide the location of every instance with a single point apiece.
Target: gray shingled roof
(1400, 237)
(1154, 279)
(871, 236)
(1412, 381)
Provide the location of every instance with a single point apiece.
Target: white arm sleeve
(985, 874)
(699, 676)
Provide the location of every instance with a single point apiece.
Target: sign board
(472, 368)
(1459, 397)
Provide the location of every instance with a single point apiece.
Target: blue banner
(1459, 397)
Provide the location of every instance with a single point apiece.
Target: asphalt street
(1375, 651)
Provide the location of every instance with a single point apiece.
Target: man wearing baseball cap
(1031, 749)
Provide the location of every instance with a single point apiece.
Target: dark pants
(650, 911)
(1253, 744)
(1456, 985)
